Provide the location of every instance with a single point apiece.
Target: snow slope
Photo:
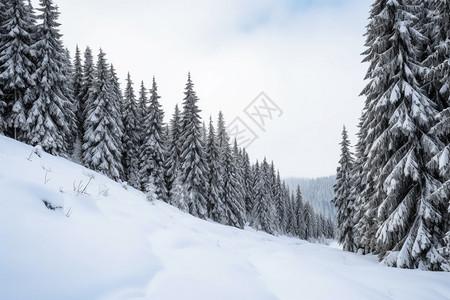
(114, 244)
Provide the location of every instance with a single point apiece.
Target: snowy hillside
(317, 191)
(109, 242)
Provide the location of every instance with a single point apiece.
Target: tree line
(76, 108)
(393, 195)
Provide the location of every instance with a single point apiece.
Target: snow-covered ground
(111, 243)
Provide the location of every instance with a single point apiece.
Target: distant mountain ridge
(317, 191)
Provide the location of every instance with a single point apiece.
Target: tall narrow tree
(86, 91)
(342, 196)
(116, 112)
(232, 196)
(77, 84)
(263, 211)
(153, 148)
(172, 164)
(101, 150)
(402, 222)
(193, 165)
(51, 115)
(299, 211)
(216, 207)
(130, 137)
(17, 65)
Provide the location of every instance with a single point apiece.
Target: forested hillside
(318, 192)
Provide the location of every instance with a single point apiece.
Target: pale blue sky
(305, 54)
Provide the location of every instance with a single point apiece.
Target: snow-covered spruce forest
(76, 108)
(393, 194)
(318, 192)
(392, 190)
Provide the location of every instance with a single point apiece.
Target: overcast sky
(304, 54)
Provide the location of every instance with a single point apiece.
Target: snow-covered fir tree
(142, 104)
(403, 220)
(291, 216)
(68, 91)
(308, 216)
(172, 164)
(434, 24)
(343, 197)
(117, 111)
(17, 66)
(263, 214)
(299, 215)
(193, 166)
(277, 196)
(51, 115)
(131, 136)
(287, 207)
(232, 188)
(101, 150)
(77, 85)
(437, 62)
(238, 163)
(247, 182)
(151, 156)
(215, 204)
(86, 91)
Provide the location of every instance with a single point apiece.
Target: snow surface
(111, 243)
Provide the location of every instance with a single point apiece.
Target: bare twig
(47, 170)
(103, 190)
(81, 188)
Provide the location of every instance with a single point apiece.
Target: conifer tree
(51, 115)
(342, 196)
(263, 214)
(330, 228)
(172, 158)
(279, 203)
(402, 221)
(193, 168)
(434, 24)
(216, 206)
(102, 152)
(152, 151)
(308, 215)
(438, 67)
(247, 182)
(291, 223)
(232, 196)
(143, 103)
(142, 111)
(254, 193)
(130, 137)
(299, 210)
(86, 90)
(204, 133)
(240, 181)
(17, 65)
(68, 91)
(116, 102)
(286, 203)
(77, 84)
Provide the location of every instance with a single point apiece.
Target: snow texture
(108, 242)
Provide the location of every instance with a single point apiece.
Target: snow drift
(67, 232)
